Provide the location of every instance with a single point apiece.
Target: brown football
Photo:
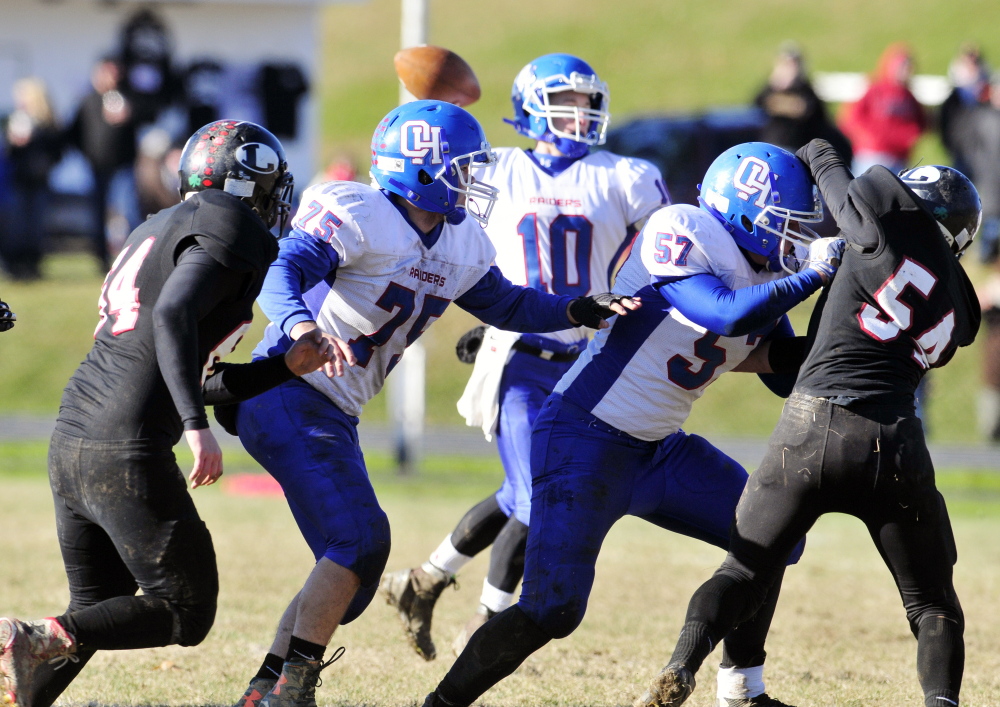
(430, 72)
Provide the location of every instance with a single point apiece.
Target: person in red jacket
(885, 124)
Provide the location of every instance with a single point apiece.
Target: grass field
(839, 638)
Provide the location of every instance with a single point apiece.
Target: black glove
(591, 311)
(468, 346)
(7, 317)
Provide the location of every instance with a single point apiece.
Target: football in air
(436, 73)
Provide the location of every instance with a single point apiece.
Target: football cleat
(298, 682)
(256, 690)
(668, 689)
(414, 593)
(25, 645)
(761, 700)
(481, 616)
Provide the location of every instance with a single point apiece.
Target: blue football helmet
(533, 111)
(757, 191)
(425, 152)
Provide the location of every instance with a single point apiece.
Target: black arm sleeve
(235, 382)
(197, 284)
(834, 180)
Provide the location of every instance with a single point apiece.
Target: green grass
(839, 637)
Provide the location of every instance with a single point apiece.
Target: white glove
(825, 255)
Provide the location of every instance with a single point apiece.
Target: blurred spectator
(969, 77)
(989, 394)
(339, 169)
(795, 114)
(885, 124)
(156, 177)
(105, 131)
(33, 146)
(975, 143)
(147, 76)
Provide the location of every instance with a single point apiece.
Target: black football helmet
(243, 159)
(952, 198)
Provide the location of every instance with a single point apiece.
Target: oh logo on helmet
(417, 138)
(750, 178)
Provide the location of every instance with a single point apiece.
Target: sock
(270, 669)
(447, 559)
(301, 649)
(693, 645)
(496, 600)
(740, 683)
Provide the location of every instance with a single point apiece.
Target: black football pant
(867, 461)
(125, 521)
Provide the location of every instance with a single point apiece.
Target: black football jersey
(900, 303)
(119, 392)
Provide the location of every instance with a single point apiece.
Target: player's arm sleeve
(707, 301)
(834, 179)
(303, 261)
(499, 302)
(195, 287)
(785, 355)
(235, 382)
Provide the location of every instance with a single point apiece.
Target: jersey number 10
(569, 254)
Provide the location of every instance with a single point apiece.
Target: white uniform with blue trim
(663, 366)
(564, 233)
(387, 282)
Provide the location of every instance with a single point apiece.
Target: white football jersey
(644, 372)
(566, 233)
(389, 286)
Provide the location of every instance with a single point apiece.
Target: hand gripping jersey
(644, 372)
(389, 287)
(566, 233)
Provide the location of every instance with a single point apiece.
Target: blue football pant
(587, 475)
(310, 446)
(526, 382)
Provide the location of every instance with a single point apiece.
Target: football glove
(825, 255)
(7, 317)
(468, 346)
(591, 311)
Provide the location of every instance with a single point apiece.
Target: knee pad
(558, 621)
(192, 624)
(359, 603)
(368, 553)
(195, 581)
